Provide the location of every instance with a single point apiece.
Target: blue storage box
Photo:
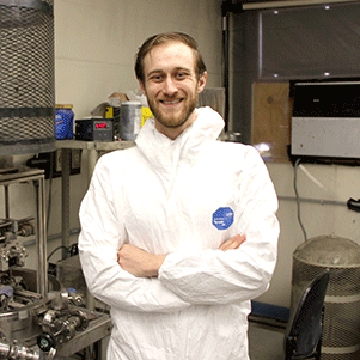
(64, 120)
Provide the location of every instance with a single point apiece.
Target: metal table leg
(65, 201)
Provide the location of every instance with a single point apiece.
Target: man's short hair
(165, 38)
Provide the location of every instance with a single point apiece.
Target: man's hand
(233, 243)
(139, 262)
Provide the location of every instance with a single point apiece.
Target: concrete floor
(266, 342)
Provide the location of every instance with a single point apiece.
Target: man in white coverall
(178, 233)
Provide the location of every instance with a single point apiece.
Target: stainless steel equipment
(19, 302)
(61, 320)
(341, 258)
(36, 324)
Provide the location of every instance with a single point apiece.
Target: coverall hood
(162, 152)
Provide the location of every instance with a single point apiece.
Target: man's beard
(174, 120)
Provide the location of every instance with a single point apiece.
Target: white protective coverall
(182, 198)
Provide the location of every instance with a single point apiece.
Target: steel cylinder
(341, 259)
(27, 81)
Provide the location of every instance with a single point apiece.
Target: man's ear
(142, 86)
(202, 82)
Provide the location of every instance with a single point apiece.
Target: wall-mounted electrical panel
(326, 120)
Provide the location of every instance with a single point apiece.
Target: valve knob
(46, 342)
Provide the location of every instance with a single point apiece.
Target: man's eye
(156, 77)
(181, 75)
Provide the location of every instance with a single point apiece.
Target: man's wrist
(155, 264)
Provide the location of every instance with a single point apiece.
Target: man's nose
(170, 86)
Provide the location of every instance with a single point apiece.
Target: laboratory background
(285, 77)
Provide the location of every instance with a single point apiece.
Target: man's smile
(171, 101)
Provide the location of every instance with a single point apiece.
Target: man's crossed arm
(139, 262)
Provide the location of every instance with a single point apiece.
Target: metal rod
(7, 202)
(65, 199)
(314, 201)
(42, 272)
(260, 45)
(225, 32)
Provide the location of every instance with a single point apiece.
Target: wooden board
(271, 119)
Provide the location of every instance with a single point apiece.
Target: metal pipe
(65, 198)
(225, 38)
(4, 350)
(314, 201)
(291, 3)
(42, 275)
(16, 352)
(7, 202)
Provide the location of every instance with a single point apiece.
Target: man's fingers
(227, 245)
(233, 243)
(239, 239)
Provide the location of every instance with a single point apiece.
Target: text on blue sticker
(223, 218)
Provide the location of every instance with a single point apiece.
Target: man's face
(171, 86)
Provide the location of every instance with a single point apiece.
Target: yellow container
(109, 112)
(146, 113)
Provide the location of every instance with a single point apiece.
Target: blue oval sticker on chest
(223, 218)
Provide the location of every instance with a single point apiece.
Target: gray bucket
(130, 120)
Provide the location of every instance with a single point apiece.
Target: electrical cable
(55, 250)
(298, 197)
(72, 250)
